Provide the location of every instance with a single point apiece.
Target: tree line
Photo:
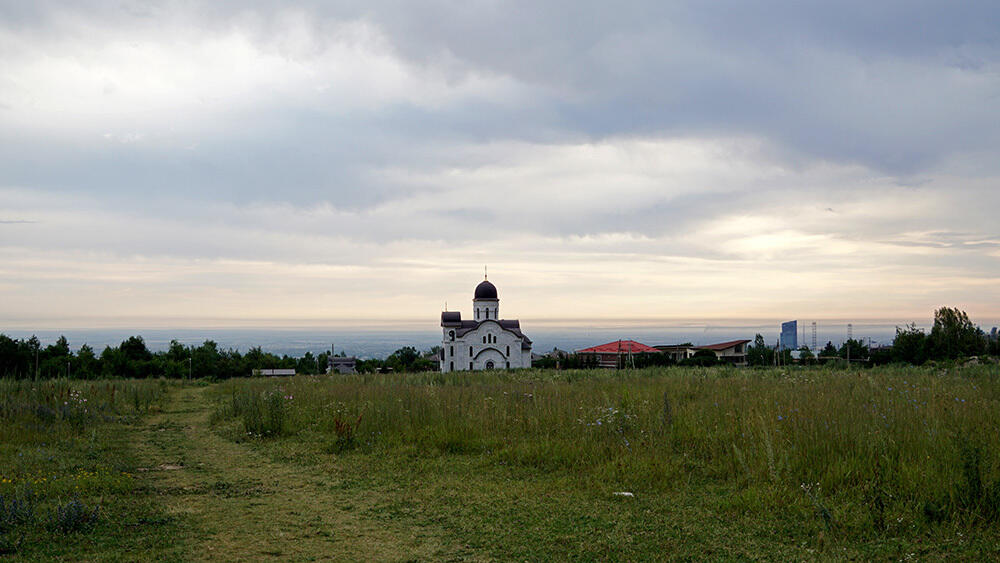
(952, 336)
(28, 359)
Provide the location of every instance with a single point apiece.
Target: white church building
(487, 342)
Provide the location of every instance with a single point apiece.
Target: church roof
(453, 319)
(486, 290)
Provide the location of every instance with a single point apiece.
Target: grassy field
(721, 464)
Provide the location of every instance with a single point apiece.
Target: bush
(344, 431)
(702, 358)
(73, 517)
(17, 510)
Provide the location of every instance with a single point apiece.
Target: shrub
(73, 517)
(17, 510)
(344, 431)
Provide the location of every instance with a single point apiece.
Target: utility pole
(189, 367)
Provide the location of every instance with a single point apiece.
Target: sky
(186, 164)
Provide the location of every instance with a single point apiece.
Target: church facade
(486, 341)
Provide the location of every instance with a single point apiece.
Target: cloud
(334, 158)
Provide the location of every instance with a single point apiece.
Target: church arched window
(484, 340)
(470, 350)
(508, 350)
(451, 366)
(451, 334)
(487, 313)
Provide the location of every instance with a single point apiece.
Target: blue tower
(790, 335)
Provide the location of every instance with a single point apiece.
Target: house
(678, 352)
(557, 354)
(733, 352)
(341, 364)
(434, 359)
(615, 354)
(259, 372)
(487, 341)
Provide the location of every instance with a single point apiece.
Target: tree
(829, 352)
(34, 347)
(853, 349)
(954, 335)
(175, 362)
(205, 360)
(759, 353)
(87, 365)
(135, 349)
(60, 349)
(806, 357)
(910, 345)
(55, 359)
(17, 358)
(704, 358)
(114, 363)
(323, 362)
(648, 359)
(403, 358)
(306, 364)
(178, 352)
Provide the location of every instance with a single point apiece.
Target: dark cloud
(897, 86)
(898, 89)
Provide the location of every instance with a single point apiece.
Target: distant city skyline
(265, 164)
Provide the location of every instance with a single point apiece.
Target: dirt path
(235, 503)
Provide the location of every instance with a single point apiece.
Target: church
(487, 342)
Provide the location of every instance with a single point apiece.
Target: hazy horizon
(381, 339)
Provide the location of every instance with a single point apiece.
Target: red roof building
(615, 354)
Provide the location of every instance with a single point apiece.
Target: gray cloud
(359, 134)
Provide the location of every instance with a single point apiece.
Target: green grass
(67, 476)
(804, 459)
(725, 464)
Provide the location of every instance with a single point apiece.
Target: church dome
(486, 290)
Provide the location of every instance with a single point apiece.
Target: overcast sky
(188, 163)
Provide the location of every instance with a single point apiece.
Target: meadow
(671, 463)
(67, 480)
